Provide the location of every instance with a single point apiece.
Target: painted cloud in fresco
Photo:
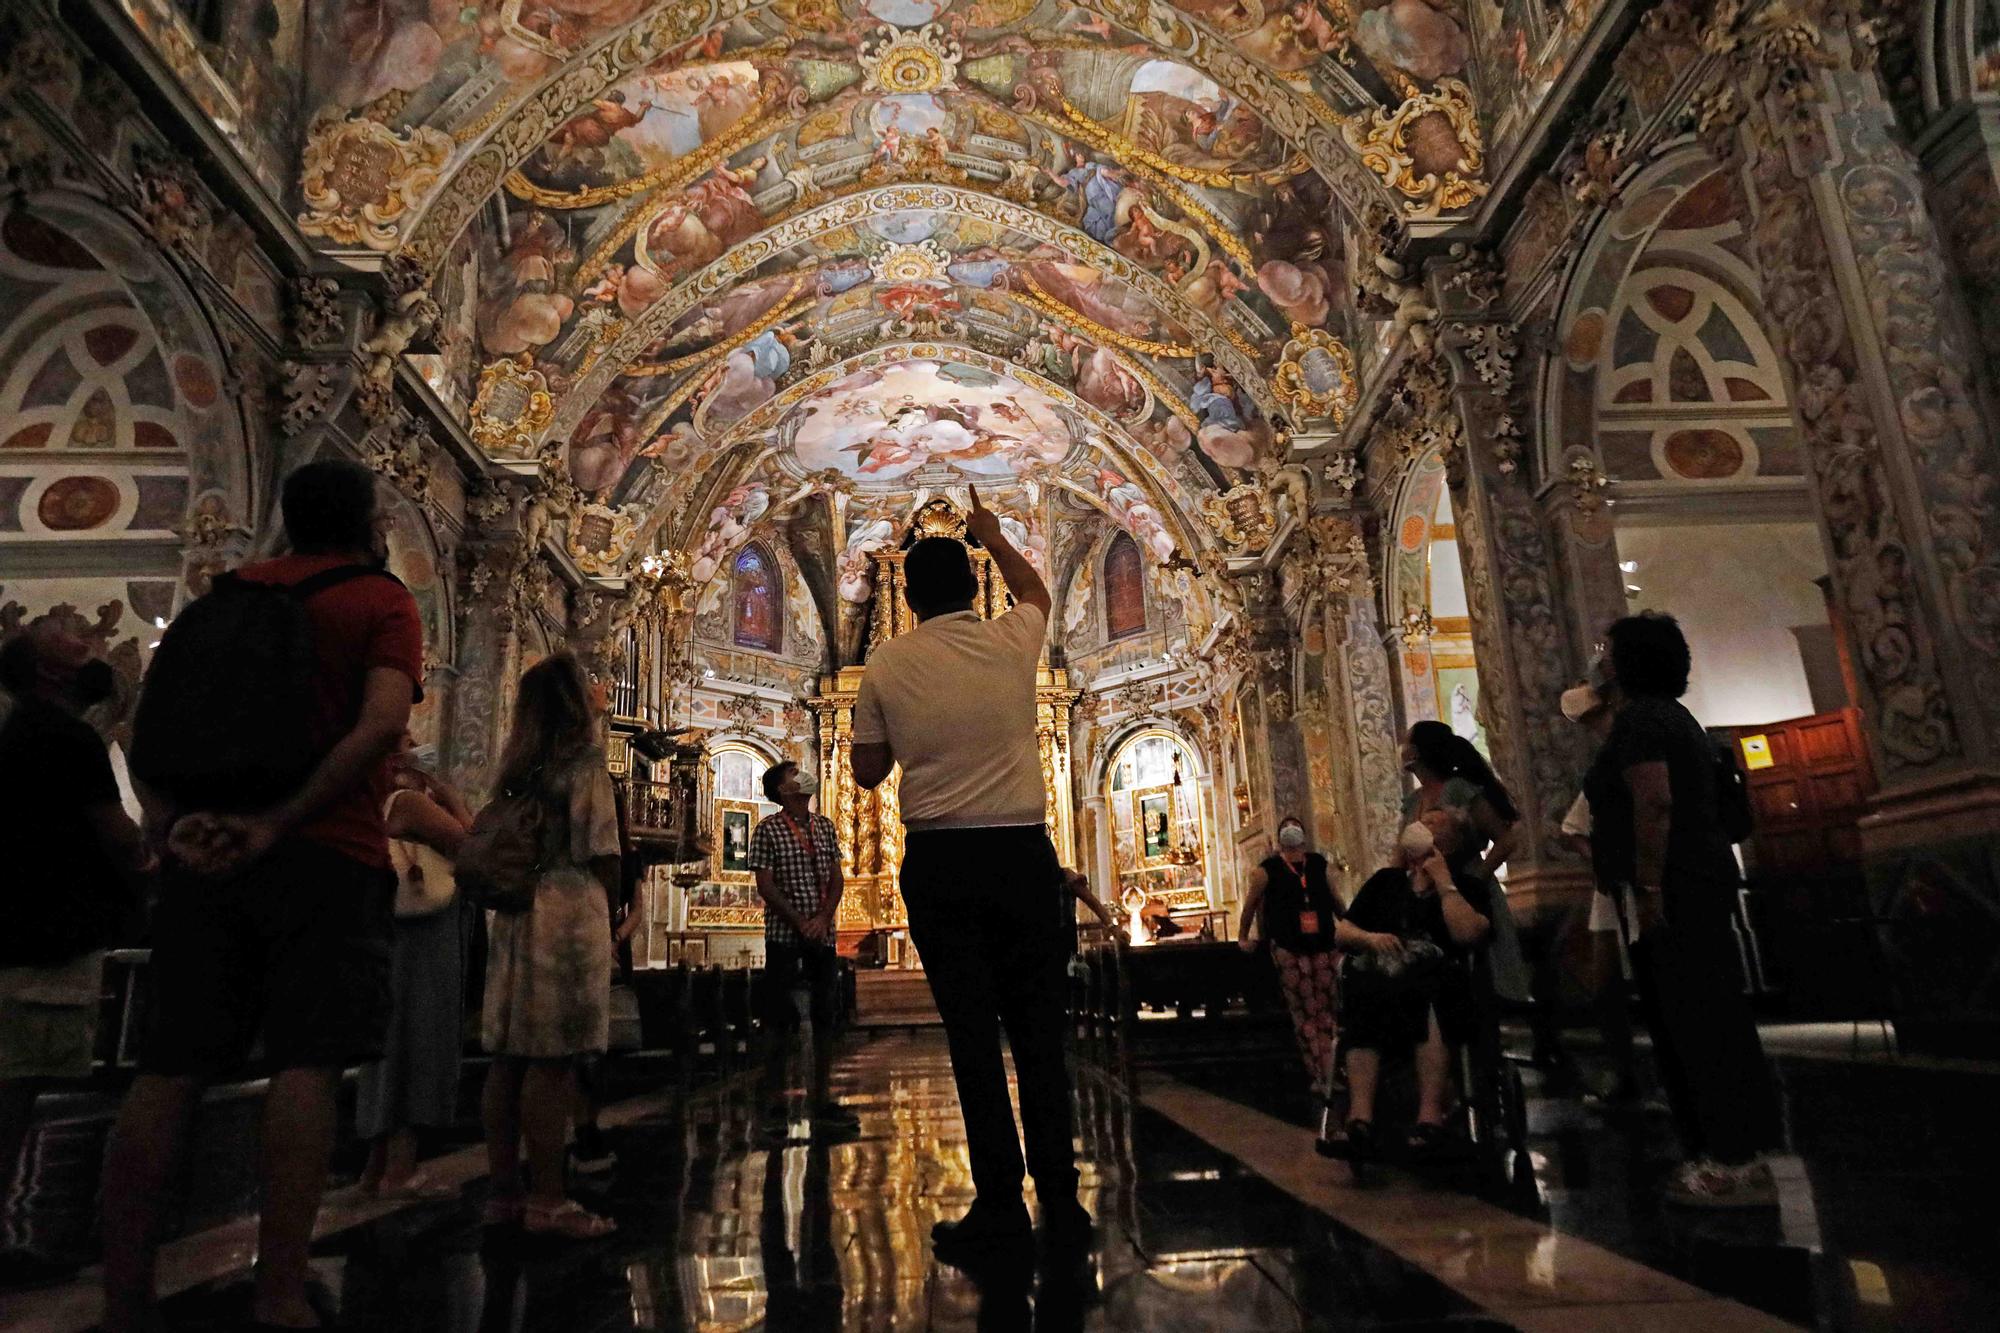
(882, 425)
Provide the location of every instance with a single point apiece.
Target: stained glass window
(758, 607)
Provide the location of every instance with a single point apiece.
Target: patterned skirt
(548, 972)
(1311, 985)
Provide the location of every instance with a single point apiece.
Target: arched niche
(418, 558)
(1157, 832)
(124, 476)
(1426, 608)
(1665, 379)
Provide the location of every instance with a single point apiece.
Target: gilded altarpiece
(870, 822)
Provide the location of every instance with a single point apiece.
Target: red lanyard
(805, 838)
(1300, 871)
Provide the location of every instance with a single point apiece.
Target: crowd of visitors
(335, 925)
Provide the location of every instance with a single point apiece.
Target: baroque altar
(869, 822)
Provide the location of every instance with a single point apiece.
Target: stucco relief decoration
(168, 199)
(1429, 149)
(1242, 518)
(900, 61)
(362, 179)
(511, 408)
(1589, 487)
(1316, 377)
(602, 539)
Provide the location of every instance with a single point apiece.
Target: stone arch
(1664, 371)
(124, 474)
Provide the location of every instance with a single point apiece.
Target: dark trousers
(1712, 1064)
(786, 967)
(984, 916)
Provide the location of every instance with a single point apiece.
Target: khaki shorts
(48, 1018)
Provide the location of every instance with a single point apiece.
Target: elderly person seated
(1416, 998)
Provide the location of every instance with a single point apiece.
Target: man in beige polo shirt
(953, 701)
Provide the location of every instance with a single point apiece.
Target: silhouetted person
(273, 918)
(953, 701)
(75, 859)
(795, 855)
(1657, 827)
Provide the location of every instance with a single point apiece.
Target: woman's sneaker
(1708, 1184)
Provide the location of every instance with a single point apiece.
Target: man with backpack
(260, 750)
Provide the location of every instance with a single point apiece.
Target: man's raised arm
(1022, 580)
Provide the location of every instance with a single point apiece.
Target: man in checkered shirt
(795, 855)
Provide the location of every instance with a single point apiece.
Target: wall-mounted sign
(1756, 752)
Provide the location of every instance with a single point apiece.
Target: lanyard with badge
(1308, 916)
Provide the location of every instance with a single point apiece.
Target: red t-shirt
(357, 625)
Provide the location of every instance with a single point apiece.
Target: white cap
(1580, 702)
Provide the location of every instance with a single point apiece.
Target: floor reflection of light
(725, 1293)
(1542, 1264)
(1871, 1284)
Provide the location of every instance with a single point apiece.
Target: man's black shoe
(984, 1227)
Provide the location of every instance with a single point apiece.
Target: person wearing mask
(548, 968)
(1414, 995)
(1290, 903)
(415, 1084)
(1657, 827)
(1610, 918)
(795, 855)
(953, 701)
(274, 920)
(77, 867)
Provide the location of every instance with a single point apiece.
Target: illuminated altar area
(869, 822)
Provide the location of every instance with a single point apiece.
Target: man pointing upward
(953, 701)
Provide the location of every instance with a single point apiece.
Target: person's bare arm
(1022, 580)
(767, 889)
(120, 840)
(1354, 939)
(1253, 898)
(1462, 919)
(1501, 834)
(1081, 888)
(216, 844)
(871, 764)
(448, 800)
(414, 815)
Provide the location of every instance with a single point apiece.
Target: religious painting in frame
(734, 821)
(1153, 825)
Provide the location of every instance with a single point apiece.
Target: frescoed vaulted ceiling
(1099, 249)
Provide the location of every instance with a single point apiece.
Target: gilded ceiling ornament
(1042, 301)
(602, 539)
(362, 179)
(1417, 628)
(1382, 138)
(1241, 516)
(926, 261)
(511, 408)
(896, 60)
(1315, 376)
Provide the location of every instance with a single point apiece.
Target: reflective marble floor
(1213, 1214)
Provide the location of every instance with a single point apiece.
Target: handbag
(1382, 977)
(509, 848)
(425, 881)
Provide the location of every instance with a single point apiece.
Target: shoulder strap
(312, 585)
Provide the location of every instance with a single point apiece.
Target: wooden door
(1809, 783)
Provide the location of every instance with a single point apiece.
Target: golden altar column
(870, 823)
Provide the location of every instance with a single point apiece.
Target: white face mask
(805, 783)
(1291, 837)
(1417, 842)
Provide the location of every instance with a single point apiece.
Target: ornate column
(1878, 340)
(1522, 636)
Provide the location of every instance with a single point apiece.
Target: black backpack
(225, 716)
(1732, 793)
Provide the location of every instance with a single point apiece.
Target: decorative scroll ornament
(926, 261)
(1315, 377)
(924, 61)
(602, 539)
(1588, 484)
(1383, 139)
(511, 408)
(1343, 471)
(1417, 628)
(1241, 516)
(168, 199)
(362, 179)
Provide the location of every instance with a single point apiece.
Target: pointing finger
(975, 498)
